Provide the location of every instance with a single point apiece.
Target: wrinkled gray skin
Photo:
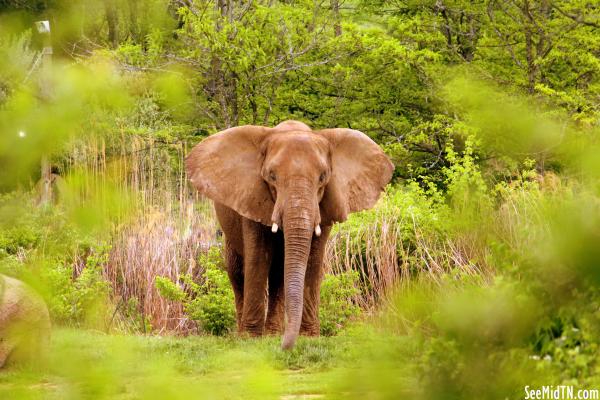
(24, 323)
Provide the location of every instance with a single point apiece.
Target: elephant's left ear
(360, 171)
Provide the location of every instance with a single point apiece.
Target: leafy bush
(337, 307)
(15, 62)
(82, 299)
(209, 303)
(18, 238)
(44, 248)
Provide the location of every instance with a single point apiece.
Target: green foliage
(16, 58)
(81, 300)
(20, 238)
(337, 307)
(210, 303)
(45, 249)
(168, 289)
(213, 306)
(404, 207)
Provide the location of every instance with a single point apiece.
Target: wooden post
(43, 27)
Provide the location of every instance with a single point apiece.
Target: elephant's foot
(252, 329)
(273, 329)
(310, 329)
(274, 322)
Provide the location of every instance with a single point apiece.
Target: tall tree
(112, 20)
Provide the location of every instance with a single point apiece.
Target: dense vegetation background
(476, 274)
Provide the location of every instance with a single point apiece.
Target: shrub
(82, 299)
(41, 246)
(337, 307)
(18, 238)
(401, 237)
(209, 303)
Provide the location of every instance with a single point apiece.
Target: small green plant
(82, 299)
(18, 238)
(337, 307)
(210, 303)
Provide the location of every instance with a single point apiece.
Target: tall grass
(159, 243)
(392, 250)
(375, 251)
(161, 232)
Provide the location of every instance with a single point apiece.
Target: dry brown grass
(169, 244)
(163, 235)
(376, 252)
(387, 256)
(163, 244)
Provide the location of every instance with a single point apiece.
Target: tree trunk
(46, 96)
(46, 182)
(337, 21)
(112, 19)
(529, 47)
(134, 28)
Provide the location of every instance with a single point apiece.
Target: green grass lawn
(87, 364)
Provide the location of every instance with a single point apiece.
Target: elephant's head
(291, 177)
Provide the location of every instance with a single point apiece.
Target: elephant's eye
(272, 176)
(322, 177)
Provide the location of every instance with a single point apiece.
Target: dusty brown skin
(24, 324)
(277, 192)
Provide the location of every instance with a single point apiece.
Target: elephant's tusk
(318, 230)
(274, 228)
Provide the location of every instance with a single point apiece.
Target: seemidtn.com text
(560, 392)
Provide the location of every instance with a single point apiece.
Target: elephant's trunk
(298, 225)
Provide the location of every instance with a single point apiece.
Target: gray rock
(24, 324)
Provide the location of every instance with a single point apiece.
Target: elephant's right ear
(226, 167)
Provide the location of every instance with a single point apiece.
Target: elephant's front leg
(312, 285)
(235, 271)
(257, 261)
(275, 310)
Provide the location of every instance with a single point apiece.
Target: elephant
(24, 323)
(276, 193)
